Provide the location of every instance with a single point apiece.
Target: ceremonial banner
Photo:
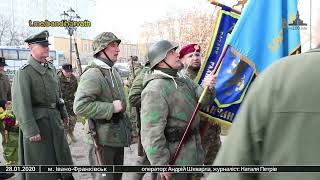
(265, 32)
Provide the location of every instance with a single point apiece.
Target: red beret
(190, 48)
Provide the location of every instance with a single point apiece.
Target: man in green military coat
(40, 110)
(191, 58)
(100, 96)
(167, 103)
(5, 93)
(10, 146)
(135, 101)
(137, 86)
(9, 134)
(5, 90)
(134, 70)
(278, 122)
(68, 84)
(135, 67)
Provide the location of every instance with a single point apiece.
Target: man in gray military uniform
(100, 96)
(40, 110)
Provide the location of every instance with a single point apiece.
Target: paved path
(79, 153)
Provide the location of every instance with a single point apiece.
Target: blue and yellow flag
(266, 31)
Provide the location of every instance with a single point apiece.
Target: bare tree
(187, 27)
(12, 34)
(4, 27)
(12, 40)
(17, 35)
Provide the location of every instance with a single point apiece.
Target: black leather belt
(50, 105)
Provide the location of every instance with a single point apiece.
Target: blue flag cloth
(266, 31)
(226, 109)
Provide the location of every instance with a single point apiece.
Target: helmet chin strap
(106, 55)
(167, 64)
(107, 60)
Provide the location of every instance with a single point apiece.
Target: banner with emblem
(261, 36)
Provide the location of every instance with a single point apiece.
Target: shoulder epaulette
(25, 65)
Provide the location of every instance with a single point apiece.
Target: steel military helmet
(101, 41)
(158, 51)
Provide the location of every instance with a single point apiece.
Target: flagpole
(173, 160)
(206, 124)
(221, 5)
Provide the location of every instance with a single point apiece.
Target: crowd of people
(46, 103)
(269, 129)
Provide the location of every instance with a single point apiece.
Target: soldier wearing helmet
(100, 96)
(167, 103)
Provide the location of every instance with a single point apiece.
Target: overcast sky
(124, 17)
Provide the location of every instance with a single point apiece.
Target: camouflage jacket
(68, 88)
(167, 104)
(137, 69)
(137, 87)
(5, 91)
(99, 86)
